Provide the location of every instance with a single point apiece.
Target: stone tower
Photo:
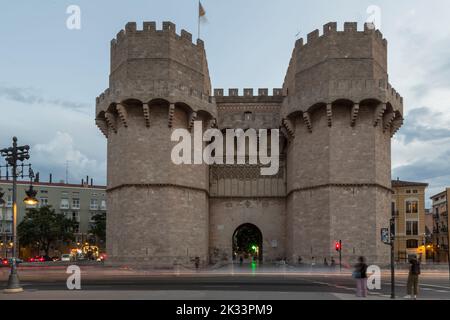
(336, 111)
(340, 113)
(157, 211)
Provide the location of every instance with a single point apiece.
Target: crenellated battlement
(149, 28)
(331, 28)
(356, 90)
(248, 92)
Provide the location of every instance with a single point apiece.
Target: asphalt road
(229, 282)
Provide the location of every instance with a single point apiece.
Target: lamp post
(13, 155)
(3, 204)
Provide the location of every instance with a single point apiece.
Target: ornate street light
(30, 199)
(13, 155)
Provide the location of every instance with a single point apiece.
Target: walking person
(333, 263)
(413, 279)
(360, 275)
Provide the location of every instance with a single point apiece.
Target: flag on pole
(201, 16)
(201, 10)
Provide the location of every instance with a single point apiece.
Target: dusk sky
(50, 75)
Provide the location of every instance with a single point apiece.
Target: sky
(50, 74)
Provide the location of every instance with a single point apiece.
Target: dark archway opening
(248, 243)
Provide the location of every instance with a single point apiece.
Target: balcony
(93, 207)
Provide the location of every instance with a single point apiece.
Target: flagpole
(198, 13)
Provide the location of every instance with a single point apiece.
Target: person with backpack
(360, 275)
(413, 279)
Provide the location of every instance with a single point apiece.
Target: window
(248, 116)
(103, 205)
(412, 206)
(412, 244)
(412, 228)
(44, 191)
(43, 201)
(75, 203)
(6, 214)
(393, 209)
(75, 216)
(64, 203)
(64, 194)
(9, 201)
(414, 191)
(408, 191)
(94, 204)
(7, 227)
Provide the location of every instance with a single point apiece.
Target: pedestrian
(325, 262)
(241, 260)
(333, 263)
(413, 279)
(360, 275)
(300, 260)
(313, 262)
(197, 262)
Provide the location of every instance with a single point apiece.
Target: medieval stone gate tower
(337, 113)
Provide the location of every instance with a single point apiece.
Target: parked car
(39, 259)
(6, 262)
(66, 257)
(55, 258)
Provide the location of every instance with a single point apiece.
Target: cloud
(423, 124)
(30, 96)
(51, 157)
(56, 134)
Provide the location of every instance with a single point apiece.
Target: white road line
(430, 285)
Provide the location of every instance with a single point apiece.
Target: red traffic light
(337, 245)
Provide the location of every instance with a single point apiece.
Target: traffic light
(338, 245)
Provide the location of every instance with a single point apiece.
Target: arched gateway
(248, 242)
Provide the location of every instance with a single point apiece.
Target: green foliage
(42, 227)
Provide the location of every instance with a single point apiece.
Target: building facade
(79, 202)
(441, 238)
(408, 203)
(336, 112)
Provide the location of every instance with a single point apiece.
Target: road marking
(430, 285)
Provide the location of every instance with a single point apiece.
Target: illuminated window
(412, 206)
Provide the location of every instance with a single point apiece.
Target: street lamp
(13, 155)
(30, 199)
(3, 204)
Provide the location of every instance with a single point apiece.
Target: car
(6, 262)
(36, 259)
(55, 258)
(101, 257)
(66, 257)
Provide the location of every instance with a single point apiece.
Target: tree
(42, 227)
(98, 227)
